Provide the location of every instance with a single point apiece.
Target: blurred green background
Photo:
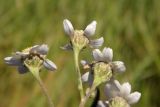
(130, 27)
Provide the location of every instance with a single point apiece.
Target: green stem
(85, 98)
(35, 73)
(80, 85)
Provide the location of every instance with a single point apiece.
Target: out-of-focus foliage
(130, 27)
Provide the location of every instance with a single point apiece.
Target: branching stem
(85, 98)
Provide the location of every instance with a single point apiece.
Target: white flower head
(106, 56)
(104, 59)
(114, 89)
(38, 51)
(81, 37)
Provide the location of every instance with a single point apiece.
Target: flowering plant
(99, 71)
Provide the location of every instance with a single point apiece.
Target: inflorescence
(99, 71)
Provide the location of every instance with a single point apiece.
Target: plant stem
(85, 98)
(35, 73)
(80, 85)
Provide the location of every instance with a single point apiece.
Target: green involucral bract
(79, 40)
(34, 62)
(102, 73)
(118, 102)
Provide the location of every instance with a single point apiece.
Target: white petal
(108, 54)
(118, 66)
(7, 59)
(22, 69)
(43, 49)
(67, 47)
(133, 97)
(118, 85)
(85, 77)
(97, 54)
(21, 54)
(12, 61)
(96, 43)
(40, 49)
(34, 46)
(83, 62)
(48, 64)
(88, 77)
(111, 89)
(68, 28)
(125, 89)
(100, 104)
(90, 29)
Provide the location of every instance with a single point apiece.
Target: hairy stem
(80, 85)
(35, 73)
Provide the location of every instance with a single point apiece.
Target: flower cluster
(117, 95)
(101, 69)
(105, 58)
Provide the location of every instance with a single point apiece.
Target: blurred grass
(130, 27)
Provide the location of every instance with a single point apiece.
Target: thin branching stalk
(35, 73)
(85, 98)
